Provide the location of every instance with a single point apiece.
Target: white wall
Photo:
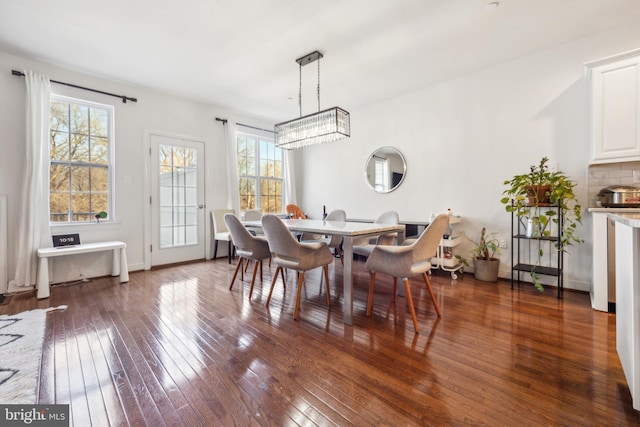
(462, 138)
(154, 112)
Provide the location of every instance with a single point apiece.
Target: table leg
(347, 245)
(42, 281)
(401, 289)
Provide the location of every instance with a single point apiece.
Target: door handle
(201, 206)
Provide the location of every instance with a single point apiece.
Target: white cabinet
(615, 108)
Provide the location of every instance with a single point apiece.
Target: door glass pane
(178, 196)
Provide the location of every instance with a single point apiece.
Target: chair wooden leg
(433, 296)
(326, 279)
(407, 288)
(235, 273)
(261, 270)
(297, 307)
(253, 279)
(229, 251)
(215, 249)
(395, 288)
(372, 283)
(273, 283)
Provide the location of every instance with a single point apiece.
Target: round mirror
(385, 169)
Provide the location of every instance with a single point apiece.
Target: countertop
(606, 210)
(630, 219)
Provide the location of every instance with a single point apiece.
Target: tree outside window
(260, 166)
(80, 157)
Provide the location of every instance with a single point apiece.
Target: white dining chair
(334, 242)
(248, 247)
(364, 246)
(220, 231)
(408, 260)
(288, 253)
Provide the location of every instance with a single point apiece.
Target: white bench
(118, 266)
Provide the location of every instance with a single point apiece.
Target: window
(381, 174)
(80, 160)
(259, 173)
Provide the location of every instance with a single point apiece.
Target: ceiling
(241, 54)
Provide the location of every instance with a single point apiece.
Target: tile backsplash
(603, 175)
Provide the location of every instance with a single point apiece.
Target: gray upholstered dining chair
(254, 215)
(335, 241)
(248, 247)
(220, 231)
(364, 246)
(408, 260)
(288, 253)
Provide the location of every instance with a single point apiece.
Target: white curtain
(33, 231)
(233, 194)
(289, 178)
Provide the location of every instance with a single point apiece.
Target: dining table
(349, 231)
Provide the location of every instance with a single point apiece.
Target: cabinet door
(615, 110)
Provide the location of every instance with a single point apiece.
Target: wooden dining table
(349, 231)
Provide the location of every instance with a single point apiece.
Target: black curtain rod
(124, 98)
(253, 127)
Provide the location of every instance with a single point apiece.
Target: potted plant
(485, 265)
(539, 197)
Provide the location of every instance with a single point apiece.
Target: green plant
(485, 249)
(537, 195)
(100, 215)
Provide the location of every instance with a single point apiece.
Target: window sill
(102, 225)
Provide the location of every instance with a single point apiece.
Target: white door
(177, 200)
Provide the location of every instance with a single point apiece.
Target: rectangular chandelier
(324, 126)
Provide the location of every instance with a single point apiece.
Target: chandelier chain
(300, 89)
(318, 84)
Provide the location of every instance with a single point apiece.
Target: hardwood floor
(175, 347)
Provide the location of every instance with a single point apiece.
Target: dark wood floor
(175, 347)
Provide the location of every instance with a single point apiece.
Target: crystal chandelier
(324, 126)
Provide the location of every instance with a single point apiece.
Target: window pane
(80, 207)
(191, 177)
(277, 169)
(99, 179)
(165, 155)
(99, 150)
(59, 146)
(59, 117)
(99, 122)
(166, 236)
(166, 215)
(79, 148)
(79, 119)
(178, 176)
(190, 158)
(59, 178)
(59, 206)
(80, 179)
(191, 235)
(99, 203)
